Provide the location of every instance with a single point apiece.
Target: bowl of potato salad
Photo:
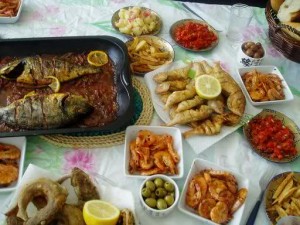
(136, 21)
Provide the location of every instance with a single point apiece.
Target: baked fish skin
(34, 70)
(45, 111)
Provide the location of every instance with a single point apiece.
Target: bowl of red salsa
(274, 136)
(194, 35)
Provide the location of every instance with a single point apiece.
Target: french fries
(147, 54)
(9, 8)
(285, 199)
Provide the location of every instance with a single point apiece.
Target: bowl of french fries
(148, 53)
(10, 10)
(282, 196)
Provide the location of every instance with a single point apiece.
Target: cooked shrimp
(241, 197)
(171, 150)
(219, 213)
(227, 197)
(215, 187)
(164, 162)
(193, 194)
(206, 206)
(152, 171)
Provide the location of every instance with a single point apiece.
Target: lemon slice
(55, 84)
(207, 87)
(97, 58)
(98, 212)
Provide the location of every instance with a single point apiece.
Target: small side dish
(213, 194)
(9, 164)
(10, 10)
(283, 196)
(159, 195)
(194, 35)
(136, 21)
(264, 85)
(273, 136)
(148, 53)
(250, 54)
(151, 150)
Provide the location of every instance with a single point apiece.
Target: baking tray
(115, 48)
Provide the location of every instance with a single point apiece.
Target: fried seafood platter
(64, 92)
(151, 150)
(213, 194)
(178, 103)
(44, 200)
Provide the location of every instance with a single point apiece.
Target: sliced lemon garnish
(98, 212)
(55, 84)
(97, 58)
(207, 87)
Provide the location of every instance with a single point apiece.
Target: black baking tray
(117, 52)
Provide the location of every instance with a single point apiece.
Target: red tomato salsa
(194, 36)
(270, 136)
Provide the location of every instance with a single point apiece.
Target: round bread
(289, 11)
(275, 4)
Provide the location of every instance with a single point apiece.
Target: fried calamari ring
(8, 174)
(9, 152)
(55, 194)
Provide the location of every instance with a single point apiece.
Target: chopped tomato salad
(194, 36)
(270, 136)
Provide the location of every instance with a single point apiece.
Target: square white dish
(198, 143)
(265, 69)
(131, 134)
(19, 142)
(197, 166)
(13, 19)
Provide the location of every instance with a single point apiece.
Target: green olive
(159, 182)
(146, 192)
(169, 186)
(160, 192)
(150, 185)
(151, 202)
(169, 200)
(161, 204)
(172, 194)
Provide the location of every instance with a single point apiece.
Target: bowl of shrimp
(151, 150)
(213, 194)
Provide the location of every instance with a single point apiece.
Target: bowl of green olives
(159, 195)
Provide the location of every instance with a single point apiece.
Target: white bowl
(197, 166)
(12, 19)
(19, 142)
(131, 134)
(157, 212)
(245, 60)
(265, 69)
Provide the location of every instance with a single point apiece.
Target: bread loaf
(291, 33)
(289, 11)
(275, 4)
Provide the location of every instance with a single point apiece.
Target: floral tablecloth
(93, 17)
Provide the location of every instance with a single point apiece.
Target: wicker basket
(284, 43)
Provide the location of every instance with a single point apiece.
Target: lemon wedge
(55, 84)
(98, 212)
(97, 58)
(207, 87)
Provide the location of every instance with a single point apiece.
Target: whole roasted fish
(35, 70)
(44, 111)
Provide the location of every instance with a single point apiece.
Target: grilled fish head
(12, 69)
(75, 105)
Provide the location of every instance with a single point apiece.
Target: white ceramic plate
(20, 142)
(131, 134)
(198, 143)
(12, 19)
(266, 69)
(197, 166)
